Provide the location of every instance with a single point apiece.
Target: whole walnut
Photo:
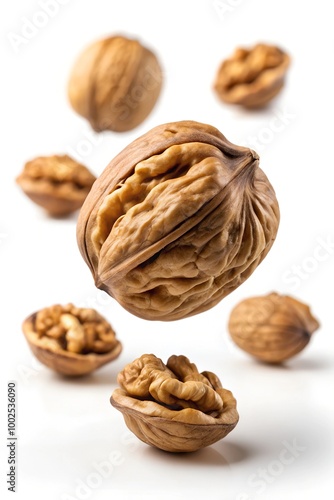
(115, 84)
(273, 327)
(177, 221)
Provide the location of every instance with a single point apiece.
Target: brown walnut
(174, 407)
(71, 340)
(115, 84)
(252, 77)
(272, 327)
(177, 221)
(57, 183)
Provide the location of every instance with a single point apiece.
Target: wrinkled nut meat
(57, 183)
(174, 407)
(115, 84)
(71, 340)
(177, 221)
(272, 327)
(252, 77)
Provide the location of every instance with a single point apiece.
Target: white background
(67, 428)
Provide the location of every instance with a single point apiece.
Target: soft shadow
(311, 364)
(265, 110)
(205, 456)
(96, 378)
(72, 217)
(295, 364)
(235, 453)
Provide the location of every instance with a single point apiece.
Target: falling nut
(252, 76)
(115, 84)
(71, 340)
(177, 221)
(174, 407)
(57, 183)
(273, 327)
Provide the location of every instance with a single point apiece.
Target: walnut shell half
(115, 84)
(57, 183)
(252, 77)
(177, 221)
(273, 327)
(71, 340)
(174, 407)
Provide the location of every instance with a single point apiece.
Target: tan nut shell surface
(174, 407)
(57, 198)
(247, 90)
(177, 221)
(175, 431)
(115, 83)
(273, 327)
(64, 362)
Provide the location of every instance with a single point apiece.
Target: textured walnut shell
(115, 84)
(57, 183)
(62, 361)
(177, 221)
(273, 327)
(252, 77)
(176, 427)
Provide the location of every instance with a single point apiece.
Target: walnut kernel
(174, 407)
(71, 340)
(57, 183)
(252, 77)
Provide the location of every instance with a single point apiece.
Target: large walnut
(177, 221)
(174, 407)
(115, 83)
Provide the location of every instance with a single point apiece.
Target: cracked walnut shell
(115, 84)
(174, 407)
(71, 340)
(177, 221)
(273, 327)
(252, 77)
(57, 183)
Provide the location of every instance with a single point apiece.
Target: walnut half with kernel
(252, 77)
(71, 340)
(177, 221)
(174, 407)
(57, 183)
(273, 327)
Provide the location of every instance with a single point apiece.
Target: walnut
(115, 84)
(177, 221)
(57, 183)
(273, 327)
(174, 407)
(252, 77)
(71, 340)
